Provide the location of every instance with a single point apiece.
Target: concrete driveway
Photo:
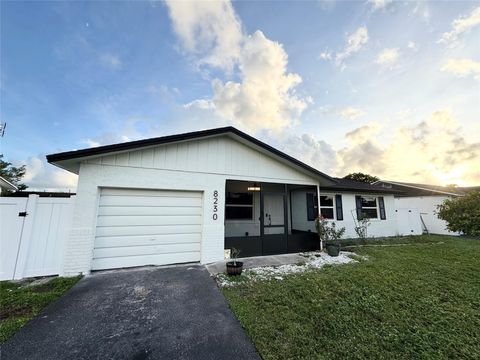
(158, 313)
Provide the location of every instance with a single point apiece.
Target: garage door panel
(112, 241)
(149, 210)
(129, 261)
(147, 230)
(147, 227)
(146, 250)
(147, 220)
(149, 193)
(111, 200)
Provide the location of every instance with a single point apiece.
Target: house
(425, 198)
(6, 185)
(189, 197)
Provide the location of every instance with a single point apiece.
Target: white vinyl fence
(33, 245)
(408, 221)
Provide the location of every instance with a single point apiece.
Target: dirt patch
(15, 312)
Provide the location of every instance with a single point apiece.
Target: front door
(273, 223)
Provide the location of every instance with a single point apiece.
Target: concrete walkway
(156, 313)
(251, 262)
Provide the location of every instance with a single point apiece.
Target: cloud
(325, 55)
(461, 25)
(210, 30)
(379, 4)
(355, 42)
(412, 45)
(262, 96)
(307, 148)
(111, 61)
(43, 176)
(351, 113)
(422, 10)
(128, 130)
(463, 68)
(388, 57)
(265, 97)
(201, 104)
(432, 151)
(363, 151)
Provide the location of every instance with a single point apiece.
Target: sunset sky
(383, 87)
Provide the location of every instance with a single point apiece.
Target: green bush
(462, 213)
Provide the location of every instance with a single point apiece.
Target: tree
(369, 179)
(12, 174)
(462, 213)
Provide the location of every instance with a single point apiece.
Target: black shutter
(310, 207)
(358, 202)
(339, 207)
(381, 205)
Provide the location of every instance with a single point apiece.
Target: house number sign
(215, 205)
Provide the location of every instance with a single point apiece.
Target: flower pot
(333, 249)
(234, 268)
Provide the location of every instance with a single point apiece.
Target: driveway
(158, 313)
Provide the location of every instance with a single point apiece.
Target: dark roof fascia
(100, 150)
(429, 190)
(360, 190)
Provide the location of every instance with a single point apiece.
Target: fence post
(26, 237)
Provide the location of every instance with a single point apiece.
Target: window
(369, 207)
(239, 206)
(327, 206)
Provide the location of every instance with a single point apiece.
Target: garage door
(147, 227)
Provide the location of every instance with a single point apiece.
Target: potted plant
(330, 235)
(234, 267)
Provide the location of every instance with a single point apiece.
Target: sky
(382, 87)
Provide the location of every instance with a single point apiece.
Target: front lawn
(421, 300)
(20, 302)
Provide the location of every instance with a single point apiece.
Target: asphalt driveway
(161, 313)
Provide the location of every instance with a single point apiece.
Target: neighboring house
(189, 197)
(425, 198)
(6, 185)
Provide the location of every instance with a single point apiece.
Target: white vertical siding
(219, 155)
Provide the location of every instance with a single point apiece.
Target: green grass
(415, 301)
(19, 303)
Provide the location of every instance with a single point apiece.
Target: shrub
(462, 213)
(361, 228)
(328, 233)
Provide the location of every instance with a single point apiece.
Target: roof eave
(70, 160)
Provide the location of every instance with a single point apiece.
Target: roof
(358, 186)
(417, 189)
(62, 159)
(7, 185)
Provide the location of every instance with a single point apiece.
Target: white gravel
(314, 260)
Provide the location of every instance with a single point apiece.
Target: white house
(425, 198)
(189, 197)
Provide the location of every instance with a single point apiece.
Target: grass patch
(418, 239)
(404, 302)
(19, 302)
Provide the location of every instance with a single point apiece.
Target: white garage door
(147, 227)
